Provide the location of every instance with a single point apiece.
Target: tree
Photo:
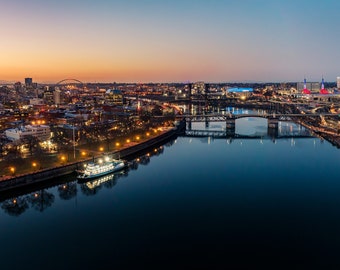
(157, 111)
(59, 138)
(41, 200)
(145, 116)
(13, 151)
(31, 142)
(2, 144)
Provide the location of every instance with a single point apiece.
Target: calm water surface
(197, 203)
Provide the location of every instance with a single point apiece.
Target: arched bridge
(75, 81)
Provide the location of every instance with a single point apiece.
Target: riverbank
(326, 134)
(46, 175)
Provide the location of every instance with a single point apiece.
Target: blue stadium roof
(239, 90)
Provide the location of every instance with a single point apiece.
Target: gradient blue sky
(166, 41)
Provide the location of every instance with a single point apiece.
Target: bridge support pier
(230, 127)
(273, 127)
(189, 125)
(206, 122)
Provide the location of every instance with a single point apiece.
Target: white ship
(102, 167)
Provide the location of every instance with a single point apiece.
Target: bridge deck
(224, 117)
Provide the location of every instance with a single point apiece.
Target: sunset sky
(169, 41)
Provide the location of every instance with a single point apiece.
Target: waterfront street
(79, 154)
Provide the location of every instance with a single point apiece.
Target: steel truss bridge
(225, 117)
(72, 81)
(273, 131)
(221, 134)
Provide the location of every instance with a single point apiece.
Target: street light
(12, 169)
(34, 164)
(101, 149)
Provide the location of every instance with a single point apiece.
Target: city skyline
(177, 41)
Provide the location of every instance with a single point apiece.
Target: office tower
(28, 82)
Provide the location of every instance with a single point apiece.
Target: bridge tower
(190, 99)
(206, 95)
(206, 122)
(273, 127)
(189, 125)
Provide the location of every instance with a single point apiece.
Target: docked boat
(102, 167)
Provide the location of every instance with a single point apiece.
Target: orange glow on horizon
(53, 68)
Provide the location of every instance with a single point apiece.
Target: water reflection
(92, 187)
(41, 200)
(15, 206)
(67, 191)
(249, 127)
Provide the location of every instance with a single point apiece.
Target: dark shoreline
(57, 175)
(333, 139)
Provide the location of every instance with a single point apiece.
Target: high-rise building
(17, 86)
(48, 97)
(338, 82)
(28, 82)
(56, 97)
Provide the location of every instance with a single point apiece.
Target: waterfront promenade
(124, 152)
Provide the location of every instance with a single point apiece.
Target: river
(194, 203)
